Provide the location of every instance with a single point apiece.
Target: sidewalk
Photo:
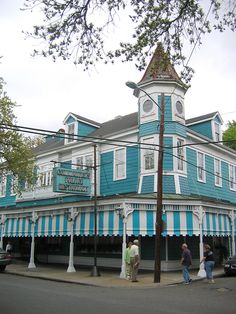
(108, 278)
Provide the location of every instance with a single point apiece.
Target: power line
(85, 138)
(67, 135)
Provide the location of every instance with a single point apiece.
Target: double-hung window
(119, 163)
(71, 132)
(232, 179)
(44, 176)
(180, 154)
(84, 162)
(201, 174)
(3, 182)
(217, 171)
(148, 154)
(217, 132)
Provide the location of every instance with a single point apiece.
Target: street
(21, 295)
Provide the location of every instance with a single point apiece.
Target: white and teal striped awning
(216, 224)
(178, 221)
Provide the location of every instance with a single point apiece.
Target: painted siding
(8, 199)
(70, 120)
(148, 184)
(168, 107)
(130, 184)
(168, 156)
(85, 129)
(172, 127)
(52, 201)
(184, 186)
(168, 185)
(208, 188)
(148, 128)
(203, 128)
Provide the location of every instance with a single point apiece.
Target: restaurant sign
(73, 181)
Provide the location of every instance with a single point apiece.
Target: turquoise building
(121, 157)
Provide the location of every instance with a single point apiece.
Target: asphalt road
(21, 295)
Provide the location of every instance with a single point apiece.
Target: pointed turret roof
(160, 68)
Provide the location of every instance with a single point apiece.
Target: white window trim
(220, 172)
(82, 165)
(203, 180)
(3, 186)
(13, 182)
(75, 132)
(214, 130)
(154, 169)
(115, 178)
(176, 158)
(45, 170)
(231, 166)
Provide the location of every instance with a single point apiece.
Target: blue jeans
(185, 273)
(209, 265)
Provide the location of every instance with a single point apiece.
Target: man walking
(134, 260)
(186, 261)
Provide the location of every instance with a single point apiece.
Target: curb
(147, 286)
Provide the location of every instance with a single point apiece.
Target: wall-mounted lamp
(119, 211)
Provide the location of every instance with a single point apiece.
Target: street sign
(72, 181)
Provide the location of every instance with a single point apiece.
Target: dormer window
(71, 132)
(217, 133)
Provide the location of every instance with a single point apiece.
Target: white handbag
(201, 273)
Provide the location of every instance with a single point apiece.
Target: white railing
(38, 192)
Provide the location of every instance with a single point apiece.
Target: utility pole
(95, 272)
(158, 223)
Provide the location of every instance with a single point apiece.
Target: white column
(199, 212)
(123, 266)
(232, 216)
(124, 212)
(33, 221)
(2, 223)
(71, 218)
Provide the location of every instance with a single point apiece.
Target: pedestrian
(9, 248)
(186, 261)
(134, 260)
(127, 261)
(209, 263)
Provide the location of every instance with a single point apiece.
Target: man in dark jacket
(186, 261)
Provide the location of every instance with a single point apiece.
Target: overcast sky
(46, 92)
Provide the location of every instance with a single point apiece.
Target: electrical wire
(67, 135)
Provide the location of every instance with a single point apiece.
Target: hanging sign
(73, 181)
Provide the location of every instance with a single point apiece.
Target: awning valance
(140, 222)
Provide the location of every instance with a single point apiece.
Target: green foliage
(229, 135)
(16, 154)
(80, 29)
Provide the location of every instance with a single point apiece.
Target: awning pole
(33, 222)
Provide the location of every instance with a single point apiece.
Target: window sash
(180, 155)
(218, 180)
(148, 155)
(3, 183)
(232, 178)
(119, 163)
(201, 167)
(217, 131)
(71, 131)
(45, 176)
